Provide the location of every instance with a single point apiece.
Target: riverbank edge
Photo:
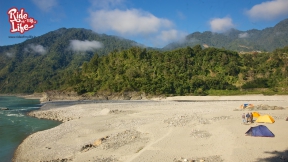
(73, 96)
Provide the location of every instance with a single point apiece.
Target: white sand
(148, 131)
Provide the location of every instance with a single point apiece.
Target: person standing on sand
(248, 117)
(243, 118)
(251, 117)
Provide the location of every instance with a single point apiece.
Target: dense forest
(118, 65)
(193, 71)
(184, 71)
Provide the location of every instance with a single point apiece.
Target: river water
(15, 125)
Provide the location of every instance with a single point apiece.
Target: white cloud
(9, 54)
(170, 35)
(128, 22)
(221, 24)
(243, 35)
(269, 10)
(45, 5)
(111, 16)
(77, 45)
(36, 48)
(165, 37)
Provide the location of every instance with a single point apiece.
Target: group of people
(247, 117)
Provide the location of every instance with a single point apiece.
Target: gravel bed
(260, 107)
(105, 159)
(220, 118)
(58, 160)
(178, 121)
(115, 141)
(215, 158)
(183, 120)
(118, 140)
(200, 134)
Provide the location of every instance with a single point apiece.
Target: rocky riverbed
(163, 130)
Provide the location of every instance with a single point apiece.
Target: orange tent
(265, 119)
(255, 114)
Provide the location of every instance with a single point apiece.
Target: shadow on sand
(277, 156)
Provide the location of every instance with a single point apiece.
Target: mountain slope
(252, 40)
(39, 64)
(45, 62)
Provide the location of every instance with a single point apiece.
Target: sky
(153, 23)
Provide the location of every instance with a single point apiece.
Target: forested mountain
(87, 62)
(252, 40)
(193, 71)
(44, 62)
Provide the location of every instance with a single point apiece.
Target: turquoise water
(15, 126)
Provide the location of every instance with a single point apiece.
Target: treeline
(184, 71)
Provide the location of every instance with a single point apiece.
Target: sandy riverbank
(160, 130)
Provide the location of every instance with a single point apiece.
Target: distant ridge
(267, 39)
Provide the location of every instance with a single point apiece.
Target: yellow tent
(255, 114)
(265, 119)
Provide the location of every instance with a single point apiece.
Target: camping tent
(255, 114)
(265, 119)
(246, 106)
(259, 131)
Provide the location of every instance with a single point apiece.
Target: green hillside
(252, 40)
(45, 62)
(86, 62)
(193, 71)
